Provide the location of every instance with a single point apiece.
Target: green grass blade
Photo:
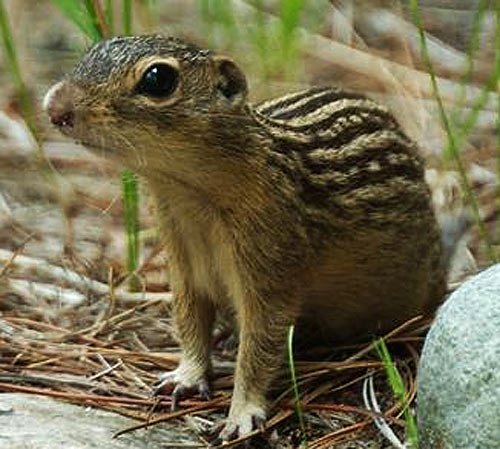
(206, 17)
(298, 407)
(26, 104)
(224, 12)
(473, 46)
(127, 17)
(13, 67)
(470, 119)
(110, 16)
(218, 19)
(98, 16)
(398, 387)
(10, 49)
(129, 185)
(78, 14)
(259, 36)
(131, 213)
(152, 5)
(291, 11)
(92, 16)
(452, 146)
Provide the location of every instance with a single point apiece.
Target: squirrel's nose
(59, 106)
(61, 118)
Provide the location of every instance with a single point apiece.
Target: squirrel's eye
(159, 80)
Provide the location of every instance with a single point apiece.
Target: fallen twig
(26, 265)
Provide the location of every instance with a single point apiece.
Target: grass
(131, 211)
(471, 52)
(274, 43)
(82, 15)
(398, 387)
(291, 11)
(218, 17)
(110, 15)
(24, 96)
(455, 139)
(293, 376)
(12, 63)
(130, 190)
(127, 17)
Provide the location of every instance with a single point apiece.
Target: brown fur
(313, 206)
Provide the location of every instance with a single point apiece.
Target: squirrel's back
(347, 155)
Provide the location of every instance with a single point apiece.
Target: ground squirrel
(308, 208)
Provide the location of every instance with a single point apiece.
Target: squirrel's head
(131, 96)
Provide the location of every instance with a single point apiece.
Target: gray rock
(459, 372)
(35, 422)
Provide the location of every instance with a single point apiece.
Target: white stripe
(298, 104)
(323, 112)
(365, 142)
(270, 104)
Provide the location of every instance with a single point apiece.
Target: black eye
(159, 80)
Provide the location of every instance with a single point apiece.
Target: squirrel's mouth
(98, 143)
(60, 105)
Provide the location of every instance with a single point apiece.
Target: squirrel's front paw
(240, 422)
(183, 383)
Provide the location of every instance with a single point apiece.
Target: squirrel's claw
(173, 383)
(238, 426)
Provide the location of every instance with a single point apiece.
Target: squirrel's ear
(231, 82)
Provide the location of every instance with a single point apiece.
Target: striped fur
(345, 153)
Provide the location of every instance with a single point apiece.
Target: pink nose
(63, 118)
(58, 104)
